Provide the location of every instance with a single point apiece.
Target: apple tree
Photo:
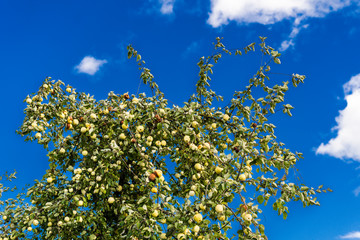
(136, 167)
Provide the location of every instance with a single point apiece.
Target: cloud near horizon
(351, 235)
(90, 65)
(346, 144)
(269, 12)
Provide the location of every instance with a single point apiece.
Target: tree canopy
(134, 166)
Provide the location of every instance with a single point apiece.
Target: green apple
(140, 128)
(219, 208)
(247, 217)
(93, 116)
(218, 169)
(155, 213)
(198, 217)
(226, 117)
(242, 177)
(158, 173)
(180, 236)
(111, 200)
(122, 136)
(198, 167)
(38, 135)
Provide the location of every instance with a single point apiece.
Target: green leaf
(284, 215)
(260, 199)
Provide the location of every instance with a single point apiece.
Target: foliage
(134, 167)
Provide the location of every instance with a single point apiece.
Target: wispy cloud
(346, 144)
(357, 191)
(167, 6)
(191, 48)
(351, 235)
(90, 65)
(290, 41)
(269, 12)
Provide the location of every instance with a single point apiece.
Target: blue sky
(84, 43)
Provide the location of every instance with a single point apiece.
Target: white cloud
(167, 6)
(351, 235)
(347, 142)
(90, 65)
(290, 41)
(269, 12)
(357, 191)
